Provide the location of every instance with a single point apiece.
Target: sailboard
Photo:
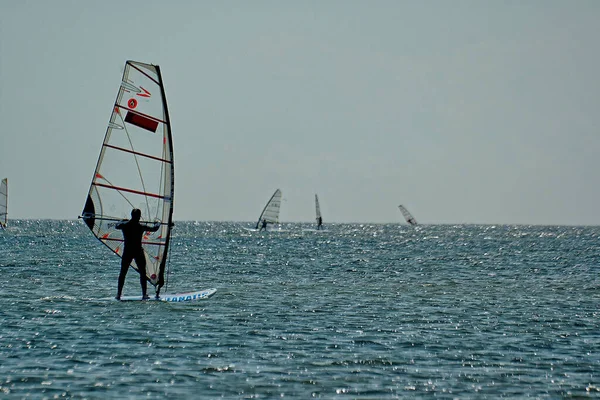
(407, 216)
(135, 170)
(4, 203)
(271, 211)
(173, 298)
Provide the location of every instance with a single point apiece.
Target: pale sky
(463, 111)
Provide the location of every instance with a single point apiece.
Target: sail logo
(133, 103)
(139, 91)
(145, 94)
(128, 86)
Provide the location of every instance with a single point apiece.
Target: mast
(161, 276)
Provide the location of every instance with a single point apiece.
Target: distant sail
(4, 202)
(135, 169)
(271, 211)
(319, 218)
(407, 216)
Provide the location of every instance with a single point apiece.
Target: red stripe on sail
(148, 76)
(141, 121)
(158, 196)
(136, 153)
(143, 242)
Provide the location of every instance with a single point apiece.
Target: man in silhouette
(264, 225)
(319, 223)
(133, 232)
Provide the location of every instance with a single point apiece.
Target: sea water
(361, 311)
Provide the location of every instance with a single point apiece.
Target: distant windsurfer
(133, 232)
(319, 223)
(263, 226)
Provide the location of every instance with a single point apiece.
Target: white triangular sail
(407, 216)
(271, 211)
(4, 202)
(135, 168)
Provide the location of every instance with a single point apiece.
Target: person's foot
(118, 298)
(145, 297)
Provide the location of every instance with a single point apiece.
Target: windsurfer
(319, 222)
(133, 232)
(264, 225)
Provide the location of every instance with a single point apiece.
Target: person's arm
(152, 228)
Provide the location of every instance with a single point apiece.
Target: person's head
(136, 214)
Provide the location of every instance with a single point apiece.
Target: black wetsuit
(133, 232)
(319, 223)
(264, 225)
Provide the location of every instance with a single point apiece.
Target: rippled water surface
(356, 311)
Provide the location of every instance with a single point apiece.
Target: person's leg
(140, 261)
(125, 261)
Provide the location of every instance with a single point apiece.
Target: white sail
(317, 207)
(271, 211)
(135, 168)
(318, 218)
(407, 216)
(4, 202)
